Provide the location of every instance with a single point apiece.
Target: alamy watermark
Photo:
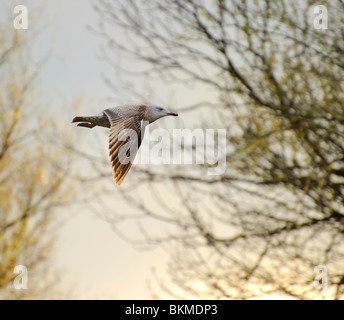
(320, 20)
(21, 280)
(21, 20)
(321, 277)
(185, 146)
(320, 17)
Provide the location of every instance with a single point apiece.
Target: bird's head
(156, 112)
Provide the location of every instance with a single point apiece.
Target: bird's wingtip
(117, 182)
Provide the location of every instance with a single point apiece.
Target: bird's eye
(160, 109)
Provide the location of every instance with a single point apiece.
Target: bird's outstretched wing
(126, 133)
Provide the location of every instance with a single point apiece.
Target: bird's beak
(172, 114)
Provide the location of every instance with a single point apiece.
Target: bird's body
(89, 122)
(127, 124)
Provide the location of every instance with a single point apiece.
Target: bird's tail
(84, 122)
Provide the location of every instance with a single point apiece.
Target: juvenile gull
(127, 126)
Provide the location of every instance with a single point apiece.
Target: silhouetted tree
(278, 84)
(33, 171)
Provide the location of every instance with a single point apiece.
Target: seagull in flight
(127, 126)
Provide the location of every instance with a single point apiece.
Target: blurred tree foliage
(278, 211)
(33, 170)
